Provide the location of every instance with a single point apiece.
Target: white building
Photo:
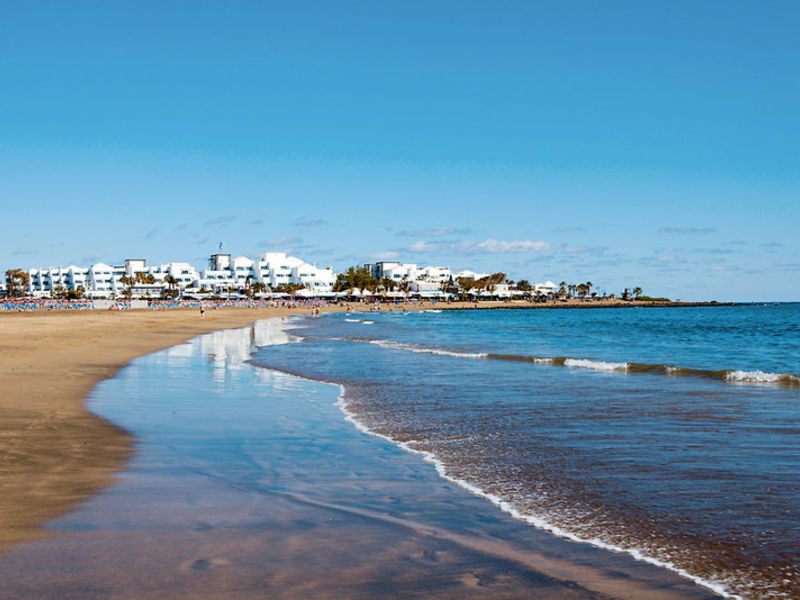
(273, 269)
(467, 274)
(547, 288)
(224, 275)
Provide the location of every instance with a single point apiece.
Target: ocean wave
(425, 349)
(787, 380)
(539, 521)
(762, 377)
(595, 365)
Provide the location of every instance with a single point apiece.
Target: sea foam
(761, 377)
(509, 507)
(425, 350)
(595, 365)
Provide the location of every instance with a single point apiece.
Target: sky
(630, 144)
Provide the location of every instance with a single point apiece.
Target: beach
(55, 453)
(246, 482)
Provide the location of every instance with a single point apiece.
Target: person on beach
(202, 311)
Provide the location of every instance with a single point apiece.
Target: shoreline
(55, 452)
(321, 495)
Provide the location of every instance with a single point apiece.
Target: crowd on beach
(26, 304)
(31, 304)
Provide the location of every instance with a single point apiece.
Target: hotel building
(224, 275)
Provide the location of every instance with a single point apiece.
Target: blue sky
(651, 144)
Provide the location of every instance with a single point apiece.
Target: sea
(671, 434)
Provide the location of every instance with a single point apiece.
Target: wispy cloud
(309, 222)
(256, 222)
(491, 246)
(284, 241)
(384, 255)
(586, 249)
(502, 246)
(152, 233)
(790, 266)
(221, 220)
(712, 251)
(423, 246)
(21, 251)
(436, 232)
(687, 230)
(92, 258)
(571, 229)
(771, 245)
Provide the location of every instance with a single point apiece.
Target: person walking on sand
(202, 311)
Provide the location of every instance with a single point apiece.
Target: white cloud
(284, 241)
(491, 245)
(384, 256)
(687, 230)
(423, 246)
(502, 246)
(434, 232)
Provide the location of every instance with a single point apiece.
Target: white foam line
(758, 377)
(533, 520)
(595, 365)
(422, 350)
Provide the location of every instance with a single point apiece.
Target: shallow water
(668, 433)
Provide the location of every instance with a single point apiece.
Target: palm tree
(405, 285)
(637, 291)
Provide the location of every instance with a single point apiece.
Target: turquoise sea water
(670, 433)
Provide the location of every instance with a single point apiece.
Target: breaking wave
(426, 350)
(788, 380)
(507, 505)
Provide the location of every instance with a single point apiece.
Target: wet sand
(53, 452)
(248, 483)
